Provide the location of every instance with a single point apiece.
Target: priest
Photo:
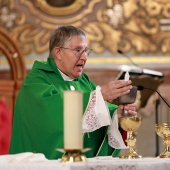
(38, 115)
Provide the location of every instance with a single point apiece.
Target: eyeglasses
(79, 52)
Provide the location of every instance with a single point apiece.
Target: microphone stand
(140, 88)
(156, 117)
(156, 120)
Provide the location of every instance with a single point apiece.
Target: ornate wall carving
(130, 25)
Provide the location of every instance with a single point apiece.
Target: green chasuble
(38, 115)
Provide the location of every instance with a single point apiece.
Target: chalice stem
(168, 148)
(131, 141)
(130, 135)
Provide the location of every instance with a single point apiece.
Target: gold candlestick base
(73, 155)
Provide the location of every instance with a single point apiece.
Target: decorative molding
(129, 25)
(47, 8)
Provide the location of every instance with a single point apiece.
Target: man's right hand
(115, 89)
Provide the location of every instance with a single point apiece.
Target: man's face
(69, 62)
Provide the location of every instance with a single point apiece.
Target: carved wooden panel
(130, 25)
(7, 92)
(9, 87)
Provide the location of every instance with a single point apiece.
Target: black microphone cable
(120, 52)
(140, 88)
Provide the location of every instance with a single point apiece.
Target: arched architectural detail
(9, 87)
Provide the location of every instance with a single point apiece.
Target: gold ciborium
(130, 124)
(163, 130)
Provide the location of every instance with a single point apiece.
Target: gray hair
(62, 35)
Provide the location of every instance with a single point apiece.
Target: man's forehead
(77, 41)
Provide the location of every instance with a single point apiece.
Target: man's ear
(56, 52)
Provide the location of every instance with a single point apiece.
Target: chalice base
(163, 130)
(130, 155)
(165, 154)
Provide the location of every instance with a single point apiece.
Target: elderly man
(38, 116)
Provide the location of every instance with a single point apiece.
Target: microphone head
(119, 51)
(140, 88)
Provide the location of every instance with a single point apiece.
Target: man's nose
(83, 55)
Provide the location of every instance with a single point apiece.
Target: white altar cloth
(98, 163)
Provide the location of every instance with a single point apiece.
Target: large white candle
(73, 111)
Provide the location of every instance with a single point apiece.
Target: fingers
(133, 113)
(123, 90)
(114, 89)
(120, 83)
(121, 87)
(131, 108)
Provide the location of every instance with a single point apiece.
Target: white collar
(64, 76)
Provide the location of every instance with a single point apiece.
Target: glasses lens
(78, 53)
(88, 50)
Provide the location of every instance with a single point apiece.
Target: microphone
(120, 52)
(140, 88)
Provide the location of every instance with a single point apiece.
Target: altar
(39, 162)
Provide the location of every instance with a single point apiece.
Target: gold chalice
(163, 130)
(130, 124)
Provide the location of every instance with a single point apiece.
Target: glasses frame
(76, 51)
